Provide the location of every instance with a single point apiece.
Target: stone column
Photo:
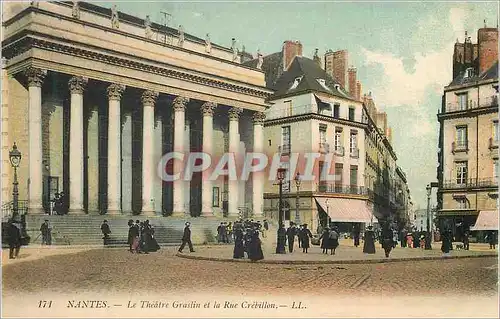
(35, 80)
(208, 126)
(115, 92)
(179, 106)
(77, 85)
(258, 177)
(148, 156)
(234, 144)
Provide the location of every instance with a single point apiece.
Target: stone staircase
(86, 229)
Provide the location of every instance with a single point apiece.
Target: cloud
(401, 87)
(197, 14)
(432, 70)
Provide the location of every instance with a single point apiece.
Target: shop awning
(487, 220)
(346, 210)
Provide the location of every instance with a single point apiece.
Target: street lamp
(15, 160)
(428, 245)
(328, 220)
(280, 245)
(297, 184)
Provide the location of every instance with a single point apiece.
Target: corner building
(468, 139)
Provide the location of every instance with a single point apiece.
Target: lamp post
(297, 199)
(15, 160)
(280, 244)
(428, 245)
(329, 220)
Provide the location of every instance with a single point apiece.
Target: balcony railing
(470, 183)
(324, 148)
(7, 209)
(355, 152)
(287, 111)
(284, 149)
(493, 143)
(331, 188)
(459, 146)
(339, 150)
(470, 105)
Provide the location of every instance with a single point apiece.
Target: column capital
(35, 76)
(258, 118)
(234, 113)
(180, 103)
(148, 98)
(208, 108)
(77, 84)
(115, 91)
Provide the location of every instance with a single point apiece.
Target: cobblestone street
(105, 270)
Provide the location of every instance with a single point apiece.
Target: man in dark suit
(105, 231)
(290, 234)
(186, 238)
(14, 239)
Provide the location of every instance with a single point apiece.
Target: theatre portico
(95, 97)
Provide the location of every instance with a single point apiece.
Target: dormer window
(337, 87)
(296, 83)
(469, 72)
(322, 82)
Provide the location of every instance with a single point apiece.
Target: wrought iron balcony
(470, 183)
(324, 148)
(339, 150)
(459, 146)
(355, 152)
(471, 105)
(332, 188)
(284, 149)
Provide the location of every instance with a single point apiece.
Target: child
(422, 242)
(409, 240)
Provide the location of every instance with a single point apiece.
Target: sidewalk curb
(323, 262)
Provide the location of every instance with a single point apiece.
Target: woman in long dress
(334, 240)
(369, 245)
(255, 249)
(306, 235)
(239, 249)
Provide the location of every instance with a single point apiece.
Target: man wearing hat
(46, 230)
(186, 238)
(105, 231)
(14, 239)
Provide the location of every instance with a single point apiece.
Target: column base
(113, 212)
(148, 213)
(207, 214)
(178, 214)
(36, 210)
(76, 211)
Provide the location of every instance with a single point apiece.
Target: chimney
(358, 90)
(388, 134)
(316, 58)
(352, 81)
(336, 65)
(291, 49)
(487, 39)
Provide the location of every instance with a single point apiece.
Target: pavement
(449, 287)
(346, 253)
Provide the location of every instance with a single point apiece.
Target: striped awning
(346, 210)
(487, 220)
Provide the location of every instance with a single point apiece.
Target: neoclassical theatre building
(93, 98)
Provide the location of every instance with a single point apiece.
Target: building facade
(468, 141)
(94, 97)
(312, 112)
